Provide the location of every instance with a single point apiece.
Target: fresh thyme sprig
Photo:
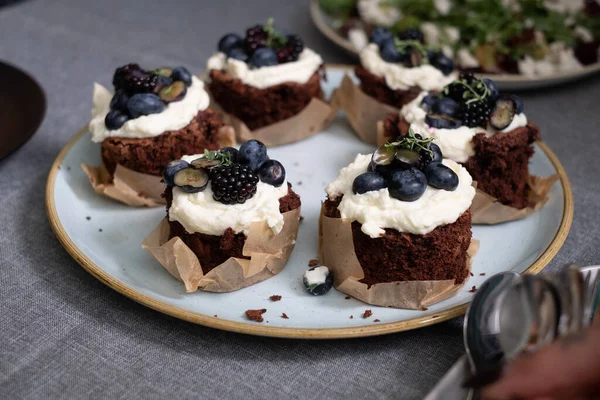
(470, 94)
(275, 38)
(223, 158)
(412, 142)
(402, 45)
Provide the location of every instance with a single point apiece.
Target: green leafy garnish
(337, 8)
(472, 93)
(223, 158)
(403, 45)
(275, 38)
(411, 142)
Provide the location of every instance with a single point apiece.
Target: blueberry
(437, 152)
(445, 106)
(429, 101)
(519, 106)
(144, 104)
(115, 119)
(368, 182)
(390, 53)
(233, 153)
(492, 87)
(442, 121)
(443, 63)
(428, 157)
(182, 74)
(253, 153)
(441, 177)
(238, 54)
(272, 172)
(191, 180)
(119, 101)
(406, 158)
(411, 34)
(407, 184)
(229, 42)
(503, 112)
(263, 57)
(163, 81)
(171, 169)
(380, 35)
(318, 280)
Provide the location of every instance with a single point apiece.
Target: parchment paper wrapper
(487, 210)
(311, 120)
(363, 111)
(126, 186)
(268, 255)
(336, 251)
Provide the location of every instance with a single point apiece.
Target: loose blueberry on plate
(429, 101)
(119, 101)
(182, 74)
(318, 280)
(407, 184)
(492, 87)
(171, 169)
(205, 163)
(443, 63)
(439, 121)
(233, 153)
(368, 182)
(238, 54)
(253, 153)
(441, 177)
(229, 42)
(380, 35)
(174, 92)
(406, 158)
(445, 106)
(503, 112)
(191, 180)
(272, 172)
(390, 53)
(144, 104)
(115, 119)
(263, 57)
(519, 106)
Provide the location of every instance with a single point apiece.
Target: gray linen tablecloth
(63, 334)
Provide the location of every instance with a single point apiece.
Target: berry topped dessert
(214, 199)
(477, 126)
(265, 76)
(408, 212)
(396, 68)
(153, 117)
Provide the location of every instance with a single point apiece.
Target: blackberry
(122, 73)
(256, 38)
(233, 184)
(291, 50)
(411, 34)
(140, 82)
(475, 113)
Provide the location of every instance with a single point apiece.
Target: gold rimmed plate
(115, 257)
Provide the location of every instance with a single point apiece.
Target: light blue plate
(114, 255)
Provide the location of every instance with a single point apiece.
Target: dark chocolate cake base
(262, 107)
(398, 256)
(213, 250)
(500, 164)
(151, 155)
(377, 88)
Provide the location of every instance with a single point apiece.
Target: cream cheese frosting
(456, 144)
(299, 71)
(398, 77)
(176, 115)
(200, 213)
(377, 210)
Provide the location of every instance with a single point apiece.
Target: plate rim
(317, 17)
(284, 332)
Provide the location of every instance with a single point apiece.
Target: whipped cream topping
(298, 71)
(200, 213)
(376, 12)
(560, 59)
(456, 144)
(398, 77)
(176, 115)
(377, 210)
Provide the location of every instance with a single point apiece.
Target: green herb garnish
(412, 142)
(223, 158)
(275, 38)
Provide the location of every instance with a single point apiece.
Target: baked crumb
(352, 316)
(284, 316)
(275, 297)
(472, 274)
(301, 218)
(473, 289)
(424, 308)
(376, 320)
(313, 263)
(482, 274)
(88, 217)
(216, 316)
(347, 297)
(367, 313)
(256, 315)
(299, 183)
(100, 230)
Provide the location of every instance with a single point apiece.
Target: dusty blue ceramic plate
(115, 257)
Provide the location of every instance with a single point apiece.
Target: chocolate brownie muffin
(490, 136)
(154, 117)
(264, 77)
(376, 87)
(213, 199)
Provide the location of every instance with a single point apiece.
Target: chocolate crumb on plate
(216, 316)
(284, 316)
(367, 313)
(100, 230)
(68, 168)
(472, 274)
(301, 218)
(424, 308)
(376, 320)
(313, 263)
(88, 217)
(299, 183)
(275, 297)
(347, 297)
(482, 274)
(473, 289)
(256, 315)
(352, 316)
